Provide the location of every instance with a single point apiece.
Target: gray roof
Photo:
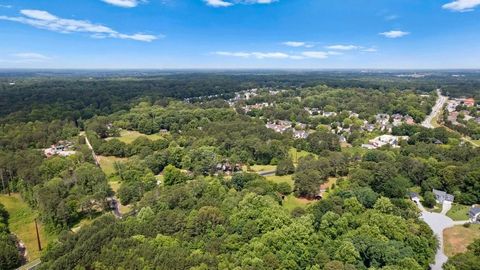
(474, 211)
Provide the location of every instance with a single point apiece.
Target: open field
(456, 239)
(296, 155)
(128, 136)
(261, 168)
(291, 202)
(458, 212)
(107, 163)
(280, 179)
(21, 223)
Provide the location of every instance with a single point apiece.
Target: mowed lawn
(458, 212)
(281, 179)
(128, 136)
(21, 223)
(260, 168)
(457, 239)
(107, 163)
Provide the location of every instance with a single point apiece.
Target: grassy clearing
(456, 239)
(107, 164)
(296, 155)
(281, 179)
(21, 223)
(128, 136)
(291, 202)
(261, 168)
(458, 212)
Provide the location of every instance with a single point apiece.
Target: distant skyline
(243, 34)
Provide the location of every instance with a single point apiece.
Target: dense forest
(205, 167)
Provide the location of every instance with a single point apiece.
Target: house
(228, 168)
(383, 140)
(474, 214)
(368, 127)
(414, 197)
(469, 102)
(329, 114)
(409, 120)
(300, 134)
(442, 196)
(62, 148)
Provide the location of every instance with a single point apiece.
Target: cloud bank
(45, 20)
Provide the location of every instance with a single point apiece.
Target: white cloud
(280, 55)
(31, 56)
(258, 55)
(45, 20)
(394, 34)
(218, 3)
(297, 44)
(343, 47)
(462, 5)
(6, 6)
(315, 54)
(391, 17)
(369, 50)
(228, 3)
(123, 3)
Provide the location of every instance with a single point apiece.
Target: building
(62, 148)
(474, 214)
(383, 140)
(442, 196)
(469, 102)
(414, 197)
(300, 134)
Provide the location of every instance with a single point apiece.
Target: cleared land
(281, 179)
(296, 155)
(456, 239)
(128, 136)
(458, 212)
(261, 168)
(107, 163)
(291, 202)
(21, 223)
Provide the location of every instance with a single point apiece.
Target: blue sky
(315, 34)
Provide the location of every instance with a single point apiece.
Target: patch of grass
(458, 212)
(261, 168)
(281, 179)
(456, 239)
(107, 164)
(296, 155)
(435, 209)
(128, 136)
(21, 223)
(291, 202)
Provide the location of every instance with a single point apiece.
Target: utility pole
(38, 236)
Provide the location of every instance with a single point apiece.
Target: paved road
(438, 222)
(437, 109)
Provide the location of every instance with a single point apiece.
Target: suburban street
(436, 110)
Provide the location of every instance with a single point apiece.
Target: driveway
(438, 223)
